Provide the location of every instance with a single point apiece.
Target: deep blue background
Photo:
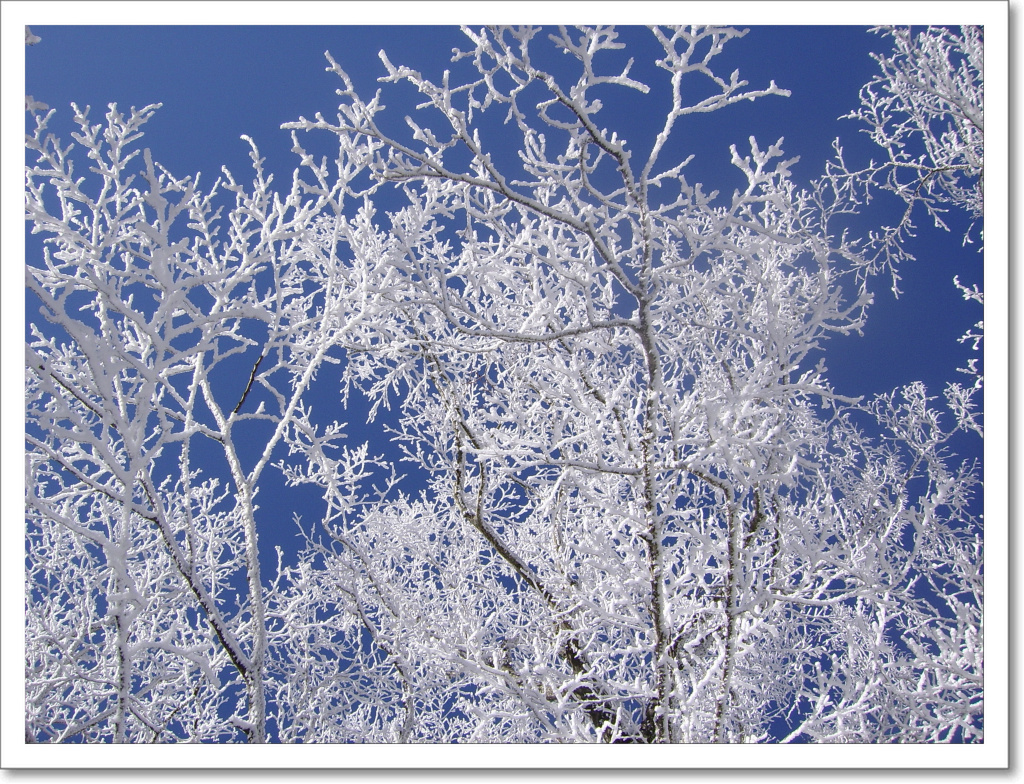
(217, 83)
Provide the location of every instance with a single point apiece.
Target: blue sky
(230, 81)
(217, 83)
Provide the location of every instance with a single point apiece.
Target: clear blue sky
(217, 83)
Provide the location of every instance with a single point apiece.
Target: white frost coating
(926, 111)
(646, 516)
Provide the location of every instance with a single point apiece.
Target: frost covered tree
(157, 347)
(645, 515)
(926, 111)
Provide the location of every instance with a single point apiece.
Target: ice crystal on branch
(643, 513)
